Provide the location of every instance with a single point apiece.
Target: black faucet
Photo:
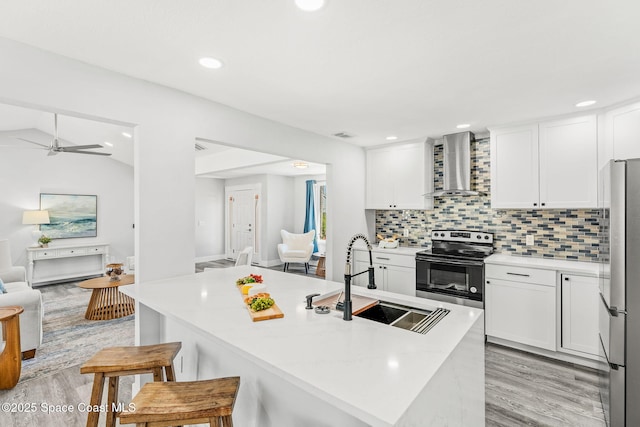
(346, 315)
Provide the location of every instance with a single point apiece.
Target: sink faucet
(347, 274)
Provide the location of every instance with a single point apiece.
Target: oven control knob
(486, 237)
(473, 289)
(478, 237)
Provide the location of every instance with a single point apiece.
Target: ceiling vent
(343, 135)
(200, 147)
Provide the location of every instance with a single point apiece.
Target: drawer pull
(518, 274)
(379, 257)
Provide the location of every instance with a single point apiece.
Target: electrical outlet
(529, 240)
(405, 232)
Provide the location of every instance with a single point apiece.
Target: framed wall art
(70, 215)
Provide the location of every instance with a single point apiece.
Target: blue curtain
(310, 215)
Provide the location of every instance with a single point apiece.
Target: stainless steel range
(453, 270)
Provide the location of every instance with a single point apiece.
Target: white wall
(25, 173)
(279, 213)
(209, 210)
(166, 124)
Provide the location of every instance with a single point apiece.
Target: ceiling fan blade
(86, 152)
(20, 147)
(33, 142)
(80, 147)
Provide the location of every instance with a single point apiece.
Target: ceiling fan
(55, 147)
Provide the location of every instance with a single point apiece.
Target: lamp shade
(35, 217)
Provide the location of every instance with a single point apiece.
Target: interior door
(242, 215)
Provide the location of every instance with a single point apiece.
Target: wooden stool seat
(114, 362)
(190, 402)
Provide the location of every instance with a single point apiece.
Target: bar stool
(189, 402)
(114, 362)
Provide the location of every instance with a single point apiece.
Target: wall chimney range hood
(457, 166)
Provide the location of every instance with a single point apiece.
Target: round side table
(107, 302)
(11, 357)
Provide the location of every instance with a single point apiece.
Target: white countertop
(564, 266)
(370, 370)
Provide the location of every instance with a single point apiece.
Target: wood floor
(521, 389)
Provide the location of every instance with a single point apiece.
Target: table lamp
(35, 218)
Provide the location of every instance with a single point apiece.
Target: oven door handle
(465, 263)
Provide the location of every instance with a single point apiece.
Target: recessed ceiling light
(126, 134)
(209, 62)
(108, 143)
(391, 138)
(310, 5)
(300, 165)
(463, 126)
(585, 103)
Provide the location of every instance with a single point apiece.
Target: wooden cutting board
(272, 312)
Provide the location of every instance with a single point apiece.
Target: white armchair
(296, 248)
(20, 293)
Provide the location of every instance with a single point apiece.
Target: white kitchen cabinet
(622, 132)
(552, 164)
(520, 305)
(397, 176)
(393, 272)
(580, 298)
(514, 167)
(568, 154)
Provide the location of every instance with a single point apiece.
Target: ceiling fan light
(209, 62)
(310, 5)
(585, 103)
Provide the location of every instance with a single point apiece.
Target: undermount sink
(411, 319)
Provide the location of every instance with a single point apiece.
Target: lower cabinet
(521, 312)
(580, 298)
(393, 272)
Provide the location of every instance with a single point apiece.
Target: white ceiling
(411, 68)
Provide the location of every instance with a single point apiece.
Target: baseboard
(210, 258)
(557, 355)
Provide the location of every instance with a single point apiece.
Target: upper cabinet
(545, 165)
(514, 167)
(622, 130)
(398, 176)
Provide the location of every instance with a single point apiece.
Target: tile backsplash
(558, 233)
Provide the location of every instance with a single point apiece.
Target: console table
(66, 251)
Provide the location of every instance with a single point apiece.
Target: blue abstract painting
(70, 215)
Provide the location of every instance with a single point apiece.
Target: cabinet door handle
(566, 278)
(379, 257)
(542, 204)
(535, 204)
(518, 274)
(488, 282)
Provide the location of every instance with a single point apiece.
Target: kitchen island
(316, 369)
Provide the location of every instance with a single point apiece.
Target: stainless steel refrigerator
(619, 315)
